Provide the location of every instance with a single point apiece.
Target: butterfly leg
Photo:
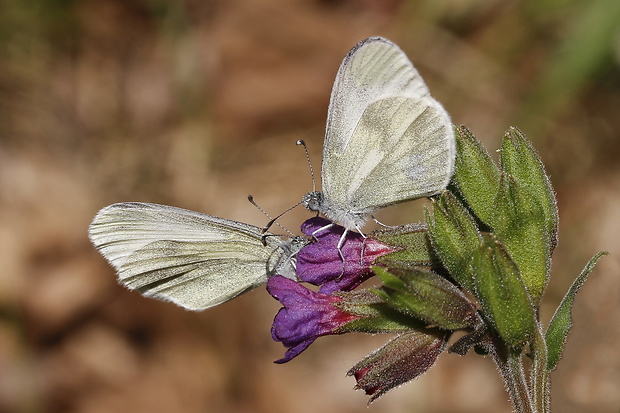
(340, 244)
(363, 243)
(380, 223)
(328, 226)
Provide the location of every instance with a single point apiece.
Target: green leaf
(502, 295)
(476, 176)
(455, 236)
(561, 323)
(427, 296)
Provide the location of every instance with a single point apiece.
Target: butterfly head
(314, 201)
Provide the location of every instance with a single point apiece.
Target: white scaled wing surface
(194, 260)
(387, 139)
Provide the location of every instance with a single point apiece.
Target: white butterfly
(194, 260)
(387, 140)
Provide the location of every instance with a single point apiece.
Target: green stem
(511, 368)
(540, 374)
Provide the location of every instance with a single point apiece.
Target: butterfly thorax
(342, 215)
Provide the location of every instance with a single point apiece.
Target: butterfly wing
(387, 139)
(194, 260)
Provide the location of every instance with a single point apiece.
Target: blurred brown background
(197, 104)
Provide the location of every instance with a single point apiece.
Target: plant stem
(540, 375)
(511, 368)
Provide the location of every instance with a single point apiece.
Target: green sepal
(425, 295)
(412, 244)
(454, 234)
(520, 160)
(473, 339)
(476, 176)
(502, 294)
(561, 323)
(375, 315)
(519, 224)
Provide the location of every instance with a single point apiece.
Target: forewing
(387, 139)
(192, 259)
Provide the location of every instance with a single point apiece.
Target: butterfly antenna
(303, 143)
(272, 220)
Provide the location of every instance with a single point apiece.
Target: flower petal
(320, 263)
(305, 316)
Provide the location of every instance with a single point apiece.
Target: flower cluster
(336, 309)
(307, 314)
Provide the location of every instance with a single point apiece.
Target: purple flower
(320, 263)
(305, 316)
